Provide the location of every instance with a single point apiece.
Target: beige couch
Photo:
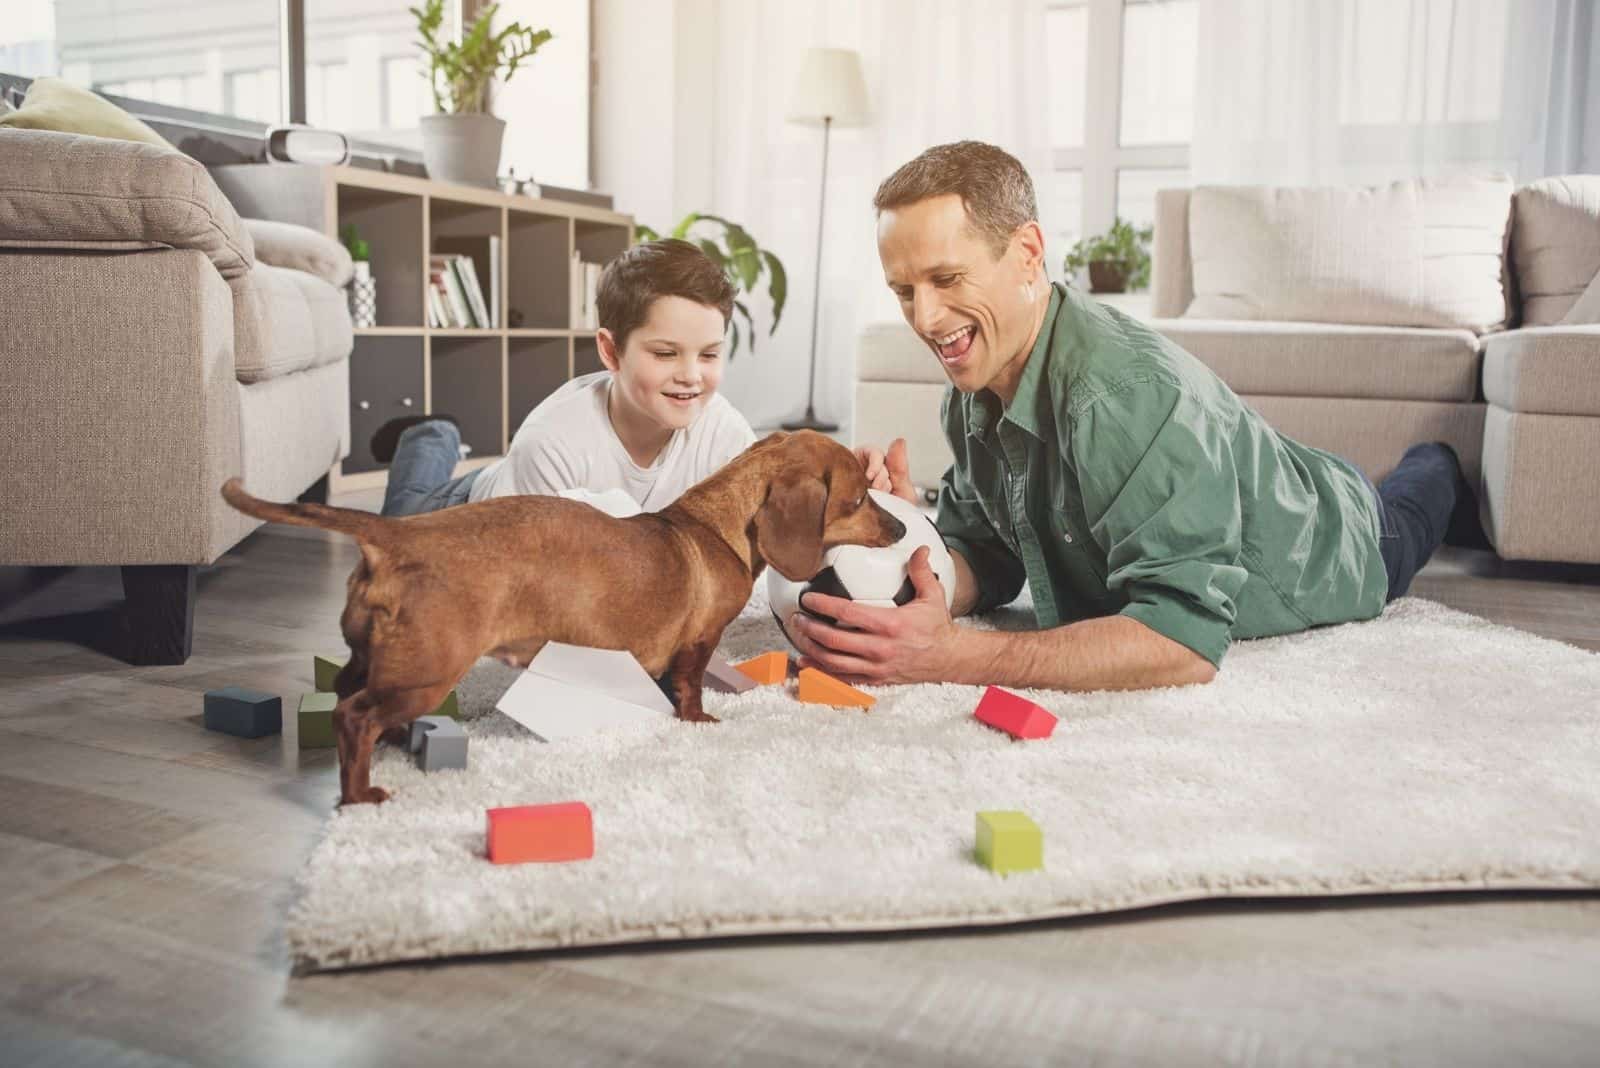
(149, 351)
(1520, 406)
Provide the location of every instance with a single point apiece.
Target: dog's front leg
(356, 728)
(684, 675)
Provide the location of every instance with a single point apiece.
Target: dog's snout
(893, 529)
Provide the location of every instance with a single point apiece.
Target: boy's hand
(890, 473)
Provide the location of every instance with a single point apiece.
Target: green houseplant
(746, 262)
(1118, 260)
(462, 142)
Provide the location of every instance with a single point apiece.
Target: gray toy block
(438, 742)
(725, 678)
(243, 713)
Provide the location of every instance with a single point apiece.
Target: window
(1121, 111)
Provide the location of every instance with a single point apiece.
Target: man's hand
(912, 643)
(890, 473)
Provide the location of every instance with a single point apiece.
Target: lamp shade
(830, 86)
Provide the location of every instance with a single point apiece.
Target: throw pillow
(1555, 245)
(1587, 310)
(54, 104)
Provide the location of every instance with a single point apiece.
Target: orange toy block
(820, 688)
(767, 668)
(524, 833)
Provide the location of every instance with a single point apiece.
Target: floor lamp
(829, 92)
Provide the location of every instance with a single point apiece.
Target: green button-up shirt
(1124, 477)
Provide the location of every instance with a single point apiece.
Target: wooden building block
(1008, 842)
(820, 688)
(1015, 715)
(450, 706)
(316, 720)
(243, 713)
(524, 833)
(439, 743)
(767, 668)
(325, 669)
(725, 678)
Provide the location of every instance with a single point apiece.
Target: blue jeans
(419, 475)
(1414, 504)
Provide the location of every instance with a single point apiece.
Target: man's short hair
(993, 186)
(667, 268)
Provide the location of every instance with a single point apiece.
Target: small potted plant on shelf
(363, 289)
(737, 253)
(1118, 260)
(462, 142)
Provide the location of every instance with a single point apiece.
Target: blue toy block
(438, 742)
(243, 713)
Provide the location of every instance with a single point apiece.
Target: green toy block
(448, 707)
(1008, 842)
(316, 720)
(325, 669)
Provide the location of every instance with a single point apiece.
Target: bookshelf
(490, 378)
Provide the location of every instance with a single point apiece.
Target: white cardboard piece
(570, 690)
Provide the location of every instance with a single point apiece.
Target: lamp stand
(809, 421)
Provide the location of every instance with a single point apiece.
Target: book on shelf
(460, 309)
(583, 283)
(483, 256)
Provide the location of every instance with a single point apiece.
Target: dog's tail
(363, 526)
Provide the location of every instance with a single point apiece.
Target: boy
(651, 425)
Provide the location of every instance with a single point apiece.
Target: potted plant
(462, 142)
(1118, 260)
(363, 289)
(745, 262)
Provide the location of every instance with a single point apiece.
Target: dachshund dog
(434, 592)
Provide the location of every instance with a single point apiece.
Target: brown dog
(434, 592)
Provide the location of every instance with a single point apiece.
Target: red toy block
(1016, 716)
(524, 833)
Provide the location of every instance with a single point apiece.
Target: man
(1154, 516)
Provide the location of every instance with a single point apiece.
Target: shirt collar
(1027, 408)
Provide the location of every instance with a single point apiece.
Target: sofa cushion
(1548, 370)
(891, 351)
(1555, 245)
(1333, 360)
(286, 321)
(56, 104)
(1427, 252)
(71, 191)
(300, 248)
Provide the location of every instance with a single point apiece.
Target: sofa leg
(316, 493)
(159, 615)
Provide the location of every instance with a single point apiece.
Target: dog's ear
(789, 526)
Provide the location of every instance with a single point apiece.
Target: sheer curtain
(1313, 92)
(936, 71)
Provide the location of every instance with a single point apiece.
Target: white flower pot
(463, 148)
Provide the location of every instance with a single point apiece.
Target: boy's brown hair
(992, 184)
(666, 268)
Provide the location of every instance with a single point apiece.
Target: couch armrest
(62, 190)
(300, 248)
(119, 419)
(1548, 370)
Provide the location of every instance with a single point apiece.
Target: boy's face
(672, 363)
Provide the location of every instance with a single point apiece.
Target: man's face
(973, 310)
(671, 364)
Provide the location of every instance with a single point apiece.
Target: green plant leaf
(749, 326)
(644, 233)
(733, 346)
(682, 229)
(777, 287)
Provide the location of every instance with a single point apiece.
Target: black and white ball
(877, 577)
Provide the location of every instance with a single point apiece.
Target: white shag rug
(1426, 750)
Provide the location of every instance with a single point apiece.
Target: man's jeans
(419, 475)
(1414, 506)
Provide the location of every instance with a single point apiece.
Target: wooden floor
(146, 864)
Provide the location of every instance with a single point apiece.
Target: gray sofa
(1521, 406)
(149, 350)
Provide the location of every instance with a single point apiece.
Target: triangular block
(1015, 715)
(820, 688)
(767, 668)
(723, 677)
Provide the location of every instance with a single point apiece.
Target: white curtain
(1322, 92)
(936, 71)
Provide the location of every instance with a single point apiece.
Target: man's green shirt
(1124, 477)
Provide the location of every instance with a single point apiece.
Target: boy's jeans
(419, 475)
(1414, 506)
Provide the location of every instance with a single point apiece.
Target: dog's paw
(372, 795)
(698, 717)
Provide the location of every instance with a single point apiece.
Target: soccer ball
(876, 577)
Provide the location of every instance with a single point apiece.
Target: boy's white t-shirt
(568, 443)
